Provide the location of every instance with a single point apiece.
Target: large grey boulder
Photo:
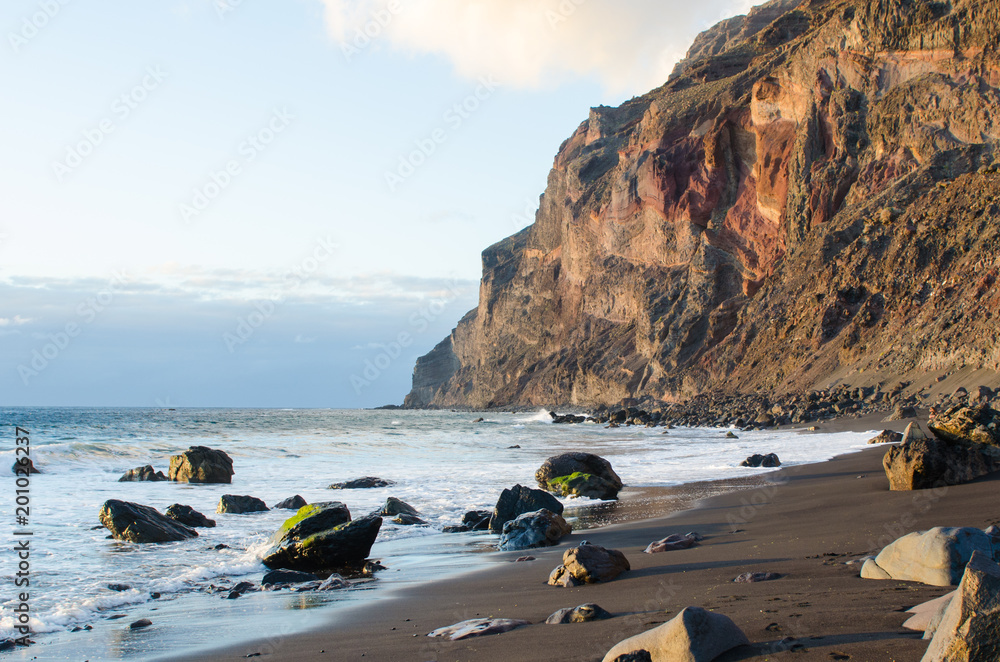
(579, 474)
(936, 557)
(694, 635)
(200, 464)
(133, 522)
(969, 630)
(322, 537)
(588, 564)
(519, 500)
(542, 528)
(919, 464)
(970, 425)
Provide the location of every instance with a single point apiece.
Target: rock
(394, 506)
(923, 463)
(914, 432)
(238, 590)
(901, 413)
(581, 614)
(981, 395)
(478, 420)
(141, 623)
(275, 577)
(936, 557)
(731, 435)
(133, 522)
(519, 500)
(542, 528)
(886, 437)
(635, 656)
(119, 588)
(291, 503)
(200, 464)
(754, 577)
(366, 483)
(333, 583)
(923, 614)
(579, 474)
(322, 537)
(968, 425)
(477, 520)
(673, 542)
(188, 516)
(969, 630)
(142, 474)
(18, 467)
(477, 627)
(408, 520)
(239, 504)
(757, 460)
(694, 635)
(588, 564)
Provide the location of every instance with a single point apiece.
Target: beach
(806, 523)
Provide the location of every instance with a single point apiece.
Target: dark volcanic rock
(519, 500)
(133, 522)
(275, 577)
(542, 528)
(188, 516)
(408, 520)
(366, 483)
(582, 474)
(291, 503)
(199, 464)
(321, 537)
(142, 474)
(394, 506)
(239, 504)
(756, 460)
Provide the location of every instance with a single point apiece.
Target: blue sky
(177, 174)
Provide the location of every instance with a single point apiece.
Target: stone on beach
(886, 437)
(936, 557)
(519, 500)
(321, 536)
(133, 522)
(672, 542)
(188, 516)
(291, 503)
(970, 425)
(579, 474)
(366, 483)
(580, 614)
(694, 635)
(969, 629)
(200, 464)
(755, 577)
(142, 474)
(588, 564)
(236, 504)
(542, 528)
(756, 460)
(477, 627)
(919, 464)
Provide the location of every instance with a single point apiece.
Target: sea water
(442, 463)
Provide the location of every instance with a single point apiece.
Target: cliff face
(812, 196)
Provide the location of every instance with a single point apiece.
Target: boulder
(366, 483)
(519, 500)
(477, 627)
(200, 464)
(394, 506)
(914, 432)
(18, 467)
(142, 474)
(969, 629)
(672, 542)
(694, 635)
(579, 474)
(968, 425)
(320, 537)
(407, 519)
(588, 564)
(924, 463)
(756, 460)
(886, 437)
(276, 577)
(542, 528)
(188, 516)
(133, 522)
(936, 557)
(924, 614)
(581, 614)
(238, 504)
(291, 503)
(635, 656)
(477, 520)
(901, 413)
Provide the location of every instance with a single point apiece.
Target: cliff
(813, 196)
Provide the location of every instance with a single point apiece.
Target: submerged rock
(277, 577)
(693, 635)
(394, 506)
(238, 504)
(756, 460)
(406, 519)
(142, 474)
(366, 483)
(133, 522)
(579, 474)
(200, 464)
(188, 516)
(542, 528)
(519, 500)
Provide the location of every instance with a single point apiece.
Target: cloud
(17, 320)
(629, 45)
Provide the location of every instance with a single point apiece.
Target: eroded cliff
(812, 196)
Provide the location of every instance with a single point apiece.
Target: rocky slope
(812, 198)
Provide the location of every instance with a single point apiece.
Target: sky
(281, 203)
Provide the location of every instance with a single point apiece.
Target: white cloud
(17, 320)
(630, 45)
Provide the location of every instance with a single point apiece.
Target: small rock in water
(239, 590)
(141, 623)
(406, 519)
(118, 588)
(240, 504)
(287, 577)
(221, 546)
(394, 506)
(291, 503)
(154, 596)
(368, 482)
(754, 577)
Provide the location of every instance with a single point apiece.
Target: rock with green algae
(579, 474)
(322, 536)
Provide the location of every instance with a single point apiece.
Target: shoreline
(803, 522)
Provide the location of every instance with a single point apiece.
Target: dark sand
(805, 523)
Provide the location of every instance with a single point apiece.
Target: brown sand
(805, 523)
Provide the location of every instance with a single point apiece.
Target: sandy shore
(804, 522)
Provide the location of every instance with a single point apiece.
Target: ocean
(443, 464)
